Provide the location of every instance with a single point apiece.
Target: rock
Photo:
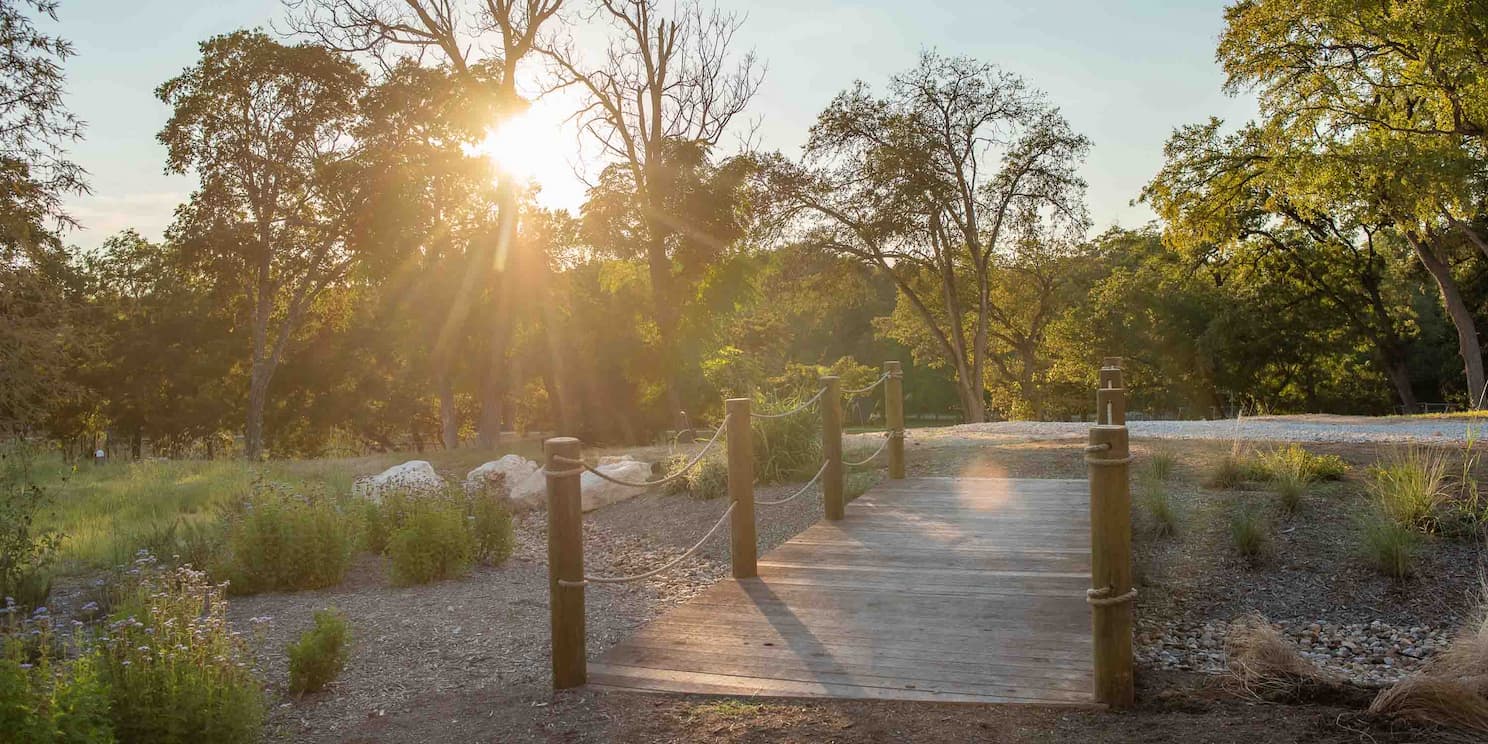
(532, 492)
(500, 476)
(415, 477)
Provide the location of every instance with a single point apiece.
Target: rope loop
(581, 466)
(1102, 597)
(793, 411)
(1108, 462)
(875, 454)
(637, 577)
(1102, 447)
(793, 496)
(868, 389)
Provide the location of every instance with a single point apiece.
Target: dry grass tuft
(1450, 691)
(1264, 663)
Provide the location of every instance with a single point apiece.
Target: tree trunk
(1468, 344)
(258, 389)
(137, 443)
(449, 415)
(1399, 376)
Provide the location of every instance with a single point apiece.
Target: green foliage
(1161, 464)
(1409, 485)
(26, 550)
(44, 699)
(1250, 532)
(1388, 545)
(1295, 463)
(281, 541)
(318, 657)
(790, 447)
(707, 481)
(857, 484)
(1228, 472)
(1153, 495)
(175, 671)
(1290, 487)
(431, 543)
(490, 523)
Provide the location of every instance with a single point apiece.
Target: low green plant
(1409, 485)
(705, 481)
(431, 544)
(282, 541)
(1154, 497)
(857, 484)
(1296, 462)
(316, 659)
(174, 670)
(26, 549)
(490, 523)
(1161, 464)
(1389, 545)
(1229, 472)
(45, 699)
(1249, 532)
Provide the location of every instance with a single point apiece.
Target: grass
(1409, 485)
(1389, 546)
(1161, 464)
(1154, 496)
(1249, 532)
(108, 512)
(1229, 472)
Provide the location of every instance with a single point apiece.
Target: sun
(528, 146)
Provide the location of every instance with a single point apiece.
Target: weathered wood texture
(950, 589)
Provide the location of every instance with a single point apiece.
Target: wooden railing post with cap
(565, 561)
(831, 412)
(894, 417)
(742, 545)
(1111, 595)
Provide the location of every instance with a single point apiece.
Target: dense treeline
(352, 272)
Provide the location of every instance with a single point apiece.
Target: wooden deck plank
(948, 589)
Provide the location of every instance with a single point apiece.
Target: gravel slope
(1308, 428)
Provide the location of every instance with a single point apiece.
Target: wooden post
(831, 410)
(894, 417)
(565, 563)
(742, 545)
(1111, 594)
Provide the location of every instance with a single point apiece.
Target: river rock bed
(1367, 653)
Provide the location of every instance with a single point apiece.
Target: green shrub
(174, 670)
(1409, 485)
(707, 481)
(1389, 545)
(490, 523)
(1249, 532)
(278, 541)
(857, 484)
(1297, 463)
(1161, 464)
(1159, 504)
(44, 700)
(786, 448)
(26, 551)
(318, 657)
(431, 544)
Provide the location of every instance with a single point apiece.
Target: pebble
(1374, 652)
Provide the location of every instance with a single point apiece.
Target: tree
(267, 128)
(666, 91)
(39, 339)
(455, 32)
(936, 185)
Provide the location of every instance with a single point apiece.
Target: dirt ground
(465, 661)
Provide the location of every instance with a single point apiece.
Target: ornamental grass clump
(1451, 690)
(317, 658)
(1249, 533)
(1409, 485)
(789, 447)
(1153, 495)
(1390, 546)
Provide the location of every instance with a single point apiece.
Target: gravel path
(1308, 428)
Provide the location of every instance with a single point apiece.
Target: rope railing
(581, 466)
(881, 449)
(782, 414)
(854, 392)
(660, 569)
(804, 489)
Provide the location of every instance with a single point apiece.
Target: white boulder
(501, 475)
(532, 492)
(415, 477)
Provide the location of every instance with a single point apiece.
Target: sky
(1124, 72)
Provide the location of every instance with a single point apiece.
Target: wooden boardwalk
(948, 589)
